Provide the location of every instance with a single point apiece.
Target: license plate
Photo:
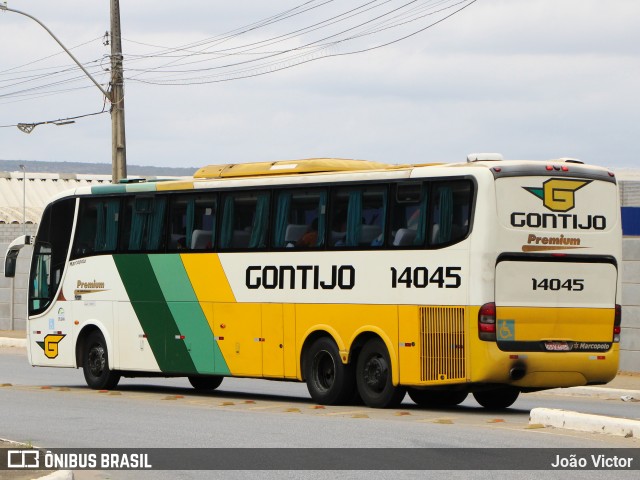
(557, 346)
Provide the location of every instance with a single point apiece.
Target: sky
(531, 79)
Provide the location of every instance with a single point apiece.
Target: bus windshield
(50, 254)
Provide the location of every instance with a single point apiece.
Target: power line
(254, 57)
(287, 14)
(250, 47)
(43, 74)
(49, 56)
(310, 51)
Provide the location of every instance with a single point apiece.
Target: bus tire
(329, 381)
(437, 398)
(498, 398)
(206, 383)
(95, 364)
(373, 376)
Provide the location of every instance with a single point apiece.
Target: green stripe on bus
(108, 189)
(141, 187)
(153, 313)
(187, 312)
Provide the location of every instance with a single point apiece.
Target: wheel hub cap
(96, 360)
(375, 373)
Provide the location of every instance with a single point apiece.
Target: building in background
(23, 196)
(629, 181)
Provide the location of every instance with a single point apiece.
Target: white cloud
(534, 79)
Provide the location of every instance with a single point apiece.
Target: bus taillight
(617, 322)
(487, 322)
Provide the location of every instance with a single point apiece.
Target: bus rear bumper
(548, 370)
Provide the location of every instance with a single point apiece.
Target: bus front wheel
(330, 382)
(373, 376)
(498, 398)
(95, 364)
(205, 383)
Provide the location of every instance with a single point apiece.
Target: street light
(119, 158)
(28, 127)
(4, 8)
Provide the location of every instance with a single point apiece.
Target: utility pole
(118, 147)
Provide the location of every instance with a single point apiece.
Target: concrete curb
(584, 422)
(57, 475)
(13, 342)
(602, 392)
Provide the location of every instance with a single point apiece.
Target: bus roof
(288, 167)
(311, 169)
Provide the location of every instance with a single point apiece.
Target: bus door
(50, 322)
(51, 333)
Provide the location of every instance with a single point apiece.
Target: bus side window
(450, 217)
(192, 222)
(98, 230)
(358, 216)
(143, 226)
(86, 230)
(373, 215)
(409, 215)
(245, 218)
(300, 218)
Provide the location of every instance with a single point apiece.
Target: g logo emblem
(558, 195)
(50, 345)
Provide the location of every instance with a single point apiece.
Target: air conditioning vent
(442, 348)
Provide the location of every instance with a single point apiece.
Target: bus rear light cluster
(564, 168)
(617, 323)
(487, 322)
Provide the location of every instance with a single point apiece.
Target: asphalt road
(52, 408)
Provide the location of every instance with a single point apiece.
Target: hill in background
(91, 168)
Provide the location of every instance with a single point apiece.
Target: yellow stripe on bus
(208, 278)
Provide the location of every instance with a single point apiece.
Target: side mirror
(11, 256)
(10, 263)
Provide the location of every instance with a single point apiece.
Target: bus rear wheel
(498, 398)
(373, 376)
(206, 383)
(437, 398)
(329, 381)
(95, 364)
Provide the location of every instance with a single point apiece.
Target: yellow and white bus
(364, 280)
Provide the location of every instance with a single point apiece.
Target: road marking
(443, 421)
(352, 412)
(360, 415)
(267, 407)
